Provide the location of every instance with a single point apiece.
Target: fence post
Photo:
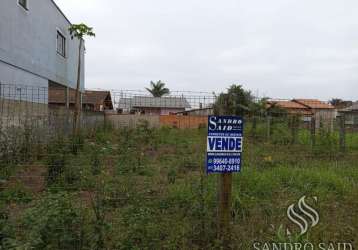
(67, 97)
(294, 128)
(254, 125)
(268, 127)
(313, 131)
(342, 133)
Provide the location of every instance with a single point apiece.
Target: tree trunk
(76, 117)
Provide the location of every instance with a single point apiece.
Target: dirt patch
(86, 198)
(32, 178)
(167, 149)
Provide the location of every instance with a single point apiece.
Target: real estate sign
(224, 144)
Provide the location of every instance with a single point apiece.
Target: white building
(36, 50)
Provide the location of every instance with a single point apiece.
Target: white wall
(28, 87)
(28, 41)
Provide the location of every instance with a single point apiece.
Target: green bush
(172, 175)
(280, 134)
(53, 223)
(56, 164)
(95, 163)
(16, 194)
(77, 142)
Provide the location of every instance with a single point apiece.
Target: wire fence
(297, 121)
(134, 177)
(142, 102)
(28, 122)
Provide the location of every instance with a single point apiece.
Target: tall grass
(146, 188)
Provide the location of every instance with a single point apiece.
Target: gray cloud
(283, 48)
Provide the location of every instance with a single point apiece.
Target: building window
(61, 44)
(23, 3)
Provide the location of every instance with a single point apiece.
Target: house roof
(314, 103)
(154, 102)
(96, 97)
(195, 110)
(58, 96)
(290, 106)
(343, 104)
(353, 108)
(286, 104)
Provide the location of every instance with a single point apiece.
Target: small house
(323, 113)
(91, 100)
(290, 107)
(350, 114)
(97, 100)
(153, 105)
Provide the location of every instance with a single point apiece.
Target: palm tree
(336, 102)
(158, 89)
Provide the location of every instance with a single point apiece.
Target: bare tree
(79, 31)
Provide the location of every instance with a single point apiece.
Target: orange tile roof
(314, 103)
(287, 104)
(291, 107)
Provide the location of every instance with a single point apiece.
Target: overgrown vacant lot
(147, 189)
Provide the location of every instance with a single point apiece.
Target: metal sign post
(224, 149)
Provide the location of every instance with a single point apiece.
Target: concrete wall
(28, 48)
(43, 121)
(131, 121)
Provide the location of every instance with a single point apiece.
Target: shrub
(56, 164)
(143, 133)
(172, 175)
(54, 223)
(7, 233)
(143, 230)
(281, 135)
(16, 193)
(95, 163)
(77, 142)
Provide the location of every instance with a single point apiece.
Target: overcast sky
(278, 48)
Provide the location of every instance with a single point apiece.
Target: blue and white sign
(224, 144)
